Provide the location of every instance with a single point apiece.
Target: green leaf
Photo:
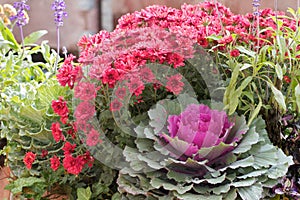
(246, 162)
(254, 192)
(255, 112)
(8, 35)
(232, 194)
(278, 96)
(84, 193)
(246, 51)
(279, 72)
(158, 118)
(33, 37)
(189, 196)
(297, 95)
(18, 185)
(249, 139)
(181, 189)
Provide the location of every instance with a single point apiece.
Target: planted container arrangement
(190, 103)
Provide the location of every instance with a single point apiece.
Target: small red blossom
(84, 111)
(85, 91)
(110, 76)
(68, 148)
(72, 131)
(146, 75)
(234, 53)
(73, 165)
(121, 92)
(60, 107)
(88, 159)
(115, 105)
(225, 40)
(44, 153)
(175, 59)
(203, 42)
(93, 138)
(55, 163)
(67, 73)
(135, 86)
(287, 79)
(57, 132)
(174, 84)
(29, 159)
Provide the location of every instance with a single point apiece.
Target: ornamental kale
(200, 127)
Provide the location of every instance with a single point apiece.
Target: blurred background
(90, 16)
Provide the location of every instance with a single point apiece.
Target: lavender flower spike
(59, 6)
(21, 16)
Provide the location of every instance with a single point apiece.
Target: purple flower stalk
(59, 7)
(21, 16)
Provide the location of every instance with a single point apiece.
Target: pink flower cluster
(156, 34)
(206, 19)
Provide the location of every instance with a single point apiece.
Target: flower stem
(58, 47)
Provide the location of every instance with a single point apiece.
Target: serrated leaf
(33, 37)
(84, 193)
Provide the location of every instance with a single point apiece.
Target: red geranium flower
(136, 86)
(55, 163)
(73, 165)
(57, 132)
(68, 148)
(88, 159)
(60, 107)
(67, 73)
(174, 84)
(29, 159)
(110, 76)
(235, 53)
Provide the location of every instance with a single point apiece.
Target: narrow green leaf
(255, 112)
(246, 51)
(8, 35)
(33, 37)
(297, 95)
(279, 71)
(278, 96)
